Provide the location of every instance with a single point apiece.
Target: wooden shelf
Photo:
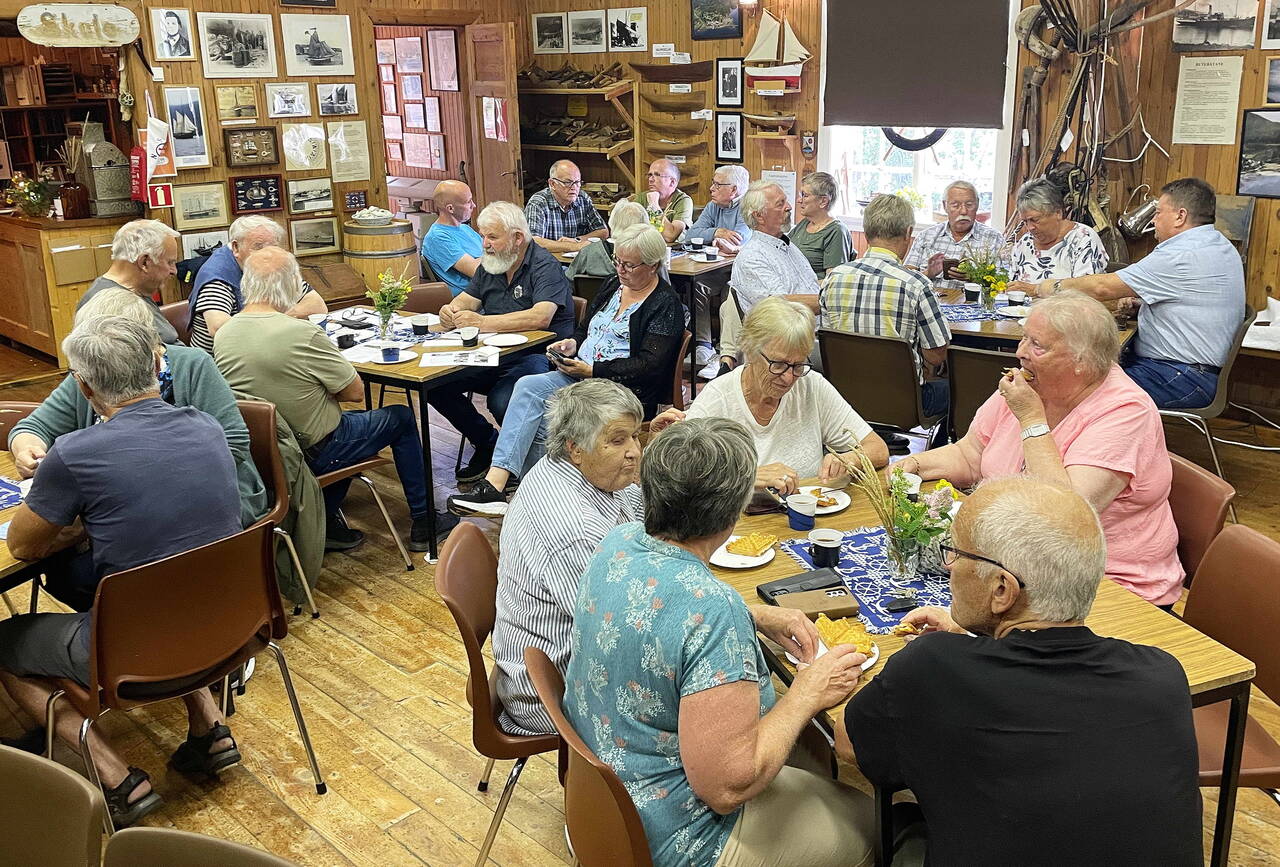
(610, 152)
(612, 91)
(622, 96)
(786, 91)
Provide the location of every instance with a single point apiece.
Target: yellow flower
(943, 483)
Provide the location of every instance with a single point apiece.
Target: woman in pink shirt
(1077, 419)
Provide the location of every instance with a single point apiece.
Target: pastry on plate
(751, 545)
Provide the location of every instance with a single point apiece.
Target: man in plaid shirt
(878, 295)
(959, 236)
(561, 217)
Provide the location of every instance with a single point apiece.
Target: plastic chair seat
(364, 466)
(500, 744)
(1260, 761)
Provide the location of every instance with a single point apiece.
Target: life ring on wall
(906, 143)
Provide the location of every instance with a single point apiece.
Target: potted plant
(31, 195)
(982, 266)
(388, 298)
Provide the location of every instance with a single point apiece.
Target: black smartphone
(557, 356)
(901, 603)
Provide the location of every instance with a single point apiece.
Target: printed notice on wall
(1208, 95)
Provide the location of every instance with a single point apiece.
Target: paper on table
(4, 530)
(483, 356)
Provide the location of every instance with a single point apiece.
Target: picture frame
(389, 103)
(313, 4)
(1270, 39)
(236, 102)
(728, 136)
(1271, 82)
(385, 49)
(1259, 129)
(549, 32)
(251, 146)
(310, 195)
(314, 236)
(386, 74)
(628, 28)
(431, 105)
(394, 152)
(336, 99)
(730, 92)
(288, 99)
(197, 244)
(171, 35)
(411, 88)
(303, 145)
(317, 45)
(392, 127)
(414, 117)
(1190, 34)
(240, 45)
(200, 206)
(256, 194)
(443, 48)
(587, 32)
(355, 200)
(188, 127)
(408, 54)
(715, 19)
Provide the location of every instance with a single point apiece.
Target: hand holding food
(789, 627)
(929, 618)
(831, 678)
(1023, 401)
(846, 630)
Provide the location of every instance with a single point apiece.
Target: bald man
(562, 217)
(451, 247)
(666, 197)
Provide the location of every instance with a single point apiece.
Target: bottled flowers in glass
(32, 196)
(388, 298)
(983, 266)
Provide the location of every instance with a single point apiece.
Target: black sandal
(123, 813)
(194, 755)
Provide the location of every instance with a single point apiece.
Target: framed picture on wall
(389, 104)
(729, 82)
(411, 87)
(386, 74)
(187, 126)
(1257, 175)
(443, 50)
(336, 98)
(290, 99)
(413, 115)
(728, 136)
(1271, 27)
(317, 44)
(236, 101)
(314, 237)
(385, 50)
(240, 45)
(355, 200)
(309, 195)
(409, 53)
(548, 32)
(257, 194)
(200, 206)
(251, 146)
(432, 107)
(1271, 83)
(393, 152)
(628, 29)
(392, 127)
(314, 4)
(586, 32)
(1216, 25)
(203, 243)
(171, 35)
(715, 19)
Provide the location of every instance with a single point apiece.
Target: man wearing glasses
(666, 200)
(954, 239)
(1026, 738)
(562, 217)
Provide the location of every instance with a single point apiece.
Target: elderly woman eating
(822, 238)
(1072, 417)
(582, 489)
(1053, 246)
(631, 336)
(667, 685)
(596, 259)
(801, 425)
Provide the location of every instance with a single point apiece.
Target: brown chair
(974, 375)
(169, 628)
(49, 815)
(603, 825)
(12, 412)
(677, 379)
(179, 315)
(427, 298)
(260, 418)
(467, 581)
(585, 286)
(579, 309)
(173, 848)
(1199, 501)
(1234, 218)
(877, 376)
(357, 471)
(1233, 601)
(425, 270)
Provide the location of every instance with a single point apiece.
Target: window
(864, 163)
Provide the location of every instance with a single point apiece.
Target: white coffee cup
(469, 335)
(317, 318)
(1016, 296)
(913, 482)
(697, 241)
(826, 537)
(804, 504)
(825, 546)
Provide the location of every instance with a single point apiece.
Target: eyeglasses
(718, 184)
(777, 368)
(951, 554)
(626, 267)
(568, 185)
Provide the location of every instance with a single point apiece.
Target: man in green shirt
(666, 198)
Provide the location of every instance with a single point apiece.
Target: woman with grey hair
(596, 259)
(630, 335)
(1072, 417)
(1053, 247)
(822, 238)
(582, 489)
(667, 683)
(802, 427)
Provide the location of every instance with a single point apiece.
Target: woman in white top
(796, 417)
(1053, 247)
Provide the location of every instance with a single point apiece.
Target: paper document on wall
(1208, 95)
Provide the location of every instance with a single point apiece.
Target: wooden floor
(381, 678)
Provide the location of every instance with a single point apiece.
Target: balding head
(663, 178)
(1044, 535)
(565, 181)
(454, 202)
(271, 277)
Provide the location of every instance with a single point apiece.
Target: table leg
(428, 474)
(368, 396)
(693, 344)
(1230, 777)
(883, 845)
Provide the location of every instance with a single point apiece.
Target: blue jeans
(523, 437)
(935, 396)
(496, 382)
(361, 435)
(1172, 384)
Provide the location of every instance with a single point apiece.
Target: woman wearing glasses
(800, 423)
(630, 335)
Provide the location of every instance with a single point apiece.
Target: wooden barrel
(372, 249)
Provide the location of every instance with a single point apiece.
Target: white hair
(138, 238)
(777, 319)
(736, 175)
(697, 477)
(1086, 326)
(754, 201)
(245, 226)
(643, 240)
(626, 213)
(114, 357)
(579, 414)
(271, 276)
(118, 301)
(505, 216)
(961, 185)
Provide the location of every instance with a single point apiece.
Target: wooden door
(491, 59)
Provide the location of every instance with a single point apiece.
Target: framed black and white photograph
(1270, 27)
(1271, 83)
(336, 98)
(355, 200)
(586, 32)
(628, 29)
(1259, 172)
(728, 136)
(715, 19)
(258, 194)
(409, 54)
(317, 44)
(200, 206)
(1215, 25)
(236, 101)
(411, 87)
(187, 126)
(443, 48)
(309, 195)
(729, 91)
(171, 35)
(251, 146)
(414, 117)
(548, 30)
(314, 237)
(242, 45)
(290, 99)
(195, 244)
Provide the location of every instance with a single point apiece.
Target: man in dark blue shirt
(130, 483)
(518, 287)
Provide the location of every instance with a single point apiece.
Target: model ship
(777, 55)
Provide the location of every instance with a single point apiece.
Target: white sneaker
(711, 369)
(704, 355)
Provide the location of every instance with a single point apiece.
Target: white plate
(405, 355)
(725, 560)
(822, 648)
(841, 498)
(1014, 311)
(505, 340)
(569, 254)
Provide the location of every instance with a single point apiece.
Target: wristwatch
(1035, 430)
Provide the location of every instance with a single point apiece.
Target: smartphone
(557, 356)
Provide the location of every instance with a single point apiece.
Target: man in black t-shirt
(1032, 740)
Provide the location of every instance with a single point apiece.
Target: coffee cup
(824, 547)
(421, 324)
(913, 485)
(346, 341)
(800, 511)
(390, 352)
(972, 293)
(1016, 296)
(470, 335)
(710, 254)
(697, 241)
(318, 319)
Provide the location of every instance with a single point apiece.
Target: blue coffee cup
(390, 353)
(800, 511)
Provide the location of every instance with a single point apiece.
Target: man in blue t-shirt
(451, 247)
(117, 478)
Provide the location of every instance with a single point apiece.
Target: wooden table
(1214, 673)
(415, 379)
(8, 563)
(1001, 333)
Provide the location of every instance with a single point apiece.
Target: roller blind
(928, 63)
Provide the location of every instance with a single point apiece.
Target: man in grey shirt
(144, 255)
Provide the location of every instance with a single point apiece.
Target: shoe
(483, 500)
(193, 755)
(420, 536)
(704, 354)
(339, 537)
(123, 813)
(476, 468)
(29, 742)
(712, 369)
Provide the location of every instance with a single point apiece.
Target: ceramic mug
(800, 511)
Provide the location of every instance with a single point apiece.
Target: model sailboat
(778, 46)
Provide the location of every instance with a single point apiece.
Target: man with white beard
(519, 286)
